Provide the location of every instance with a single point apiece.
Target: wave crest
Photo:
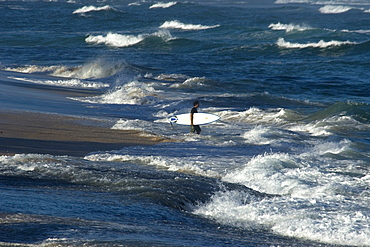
(162, 5)
(134, 93)
(97, 69)
(178, 25)
(91, 8)
(124, 40)
(288, 27)
(115, 39)
(71, 83)
(334, 9)
(321, 44)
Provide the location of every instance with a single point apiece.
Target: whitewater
(287, 164)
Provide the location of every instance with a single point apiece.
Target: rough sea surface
(287, 165)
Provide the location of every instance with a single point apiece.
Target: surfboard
(200, 118)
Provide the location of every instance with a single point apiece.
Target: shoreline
(42, 133)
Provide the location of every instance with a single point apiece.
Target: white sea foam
(190, 165)
(305, 219)
(162, 5)
(315, 129)
(269, 173)
(321, 44)
(325, 2)
(178, 25)
(87, 9)
(171, 77)
(263, 135)
(329, 125)
(98, 68)
(115, 39)
(124, 40)
(75, 83)
(294, 175)
(129, 124)
(192, 82)
(289, 27)
(307, 183)
(33, 69)
(356, 31)
(334, 9)
(134, 4)
(254, 115)
(133, 92)
(256, 136)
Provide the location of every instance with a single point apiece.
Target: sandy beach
(28, 132)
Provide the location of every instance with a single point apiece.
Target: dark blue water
(287, 164)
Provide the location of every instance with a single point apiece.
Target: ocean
(286, 165)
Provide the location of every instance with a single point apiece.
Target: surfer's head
(196, 103)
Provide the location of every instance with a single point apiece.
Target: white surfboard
(200, 118)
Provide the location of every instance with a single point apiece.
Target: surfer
(194, 128)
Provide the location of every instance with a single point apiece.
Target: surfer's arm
(191, 118)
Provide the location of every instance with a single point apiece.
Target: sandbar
(30, 132)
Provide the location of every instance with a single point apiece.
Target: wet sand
(28, 132)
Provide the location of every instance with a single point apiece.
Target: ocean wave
(295, 218)
(255, 115)
(146, 128)
(115, 39)
(73, 83)
(178, 25)
(87, 9)
(157, 161)
(355, 31)
(289, 27)
(123, 40)
(322, 2)
(99, 68)
(321, 44)
(162, 5)
(128, 124)
(192, 82)
(329, 126)
(29, 69)
(267, 135)
(134, 93)
(134, 4)
(171, 77)
(334, 9)
(307, 179)
(191, 165)
(60, 71)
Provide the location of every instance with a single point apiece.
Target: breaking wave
(133, 92)
(321, 44)
(73, 83)
(289, 27)
(162, 5)
(97, 69)
(334, 9)
(178, 25)
(87, 9)
(124, 40)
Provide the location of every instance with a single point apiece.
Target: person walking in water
(194, 128)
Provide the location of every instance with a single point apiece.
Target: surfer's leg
(197, 129)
